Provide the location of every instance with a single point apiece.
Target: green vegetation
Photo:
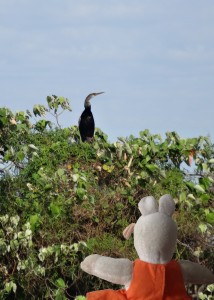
(62, 199)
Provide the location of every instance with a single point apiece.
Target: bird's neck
(87, 105)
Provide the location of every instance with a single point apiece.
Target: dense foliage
(62, 199)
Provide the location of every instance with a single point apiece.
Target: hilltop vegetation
(62, 199)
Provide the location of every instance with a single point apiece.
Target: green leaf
(204, 198)
(55, 209)
(75, 177)
(199, 188)
(147, 159)
(205, 167)
(41, 125)
(60, 283)
(190, 185)
(34, 221)
(10, 286)
(60, 172)
(153, 147)
(61, 100)
(80, 192)
(202, 227)
(3, 113)
(202, 296)
(144, 175)
(33, 147)
(39, 110)
(152, 167)
(205, 182)
(127, 148)
(210, 218)
(20, 155)
(210, 288)
(210, 179)
(182, 197)
(144, 133)
(191, 196)
(108, 168)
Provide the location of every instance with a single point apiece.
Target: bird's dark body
(86, 125)
(86, 120)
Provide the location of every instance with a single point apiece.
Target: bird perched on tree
(86, 120)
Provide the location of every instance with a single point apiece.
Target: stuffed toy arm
(115, 270)
(195, 273)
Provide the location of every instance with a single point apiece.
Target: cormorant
(86, 120)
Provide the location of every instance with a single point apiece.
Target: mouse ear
(127, 232)
(166, 205)
(148, 205)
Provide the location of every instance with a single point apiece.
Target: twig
(187, 246)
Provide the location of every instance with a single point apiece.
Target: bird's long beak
(96, 94)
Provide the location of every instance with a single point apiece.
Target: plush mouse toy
(154, 276)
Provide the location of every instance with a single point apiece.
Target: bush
(57, 195)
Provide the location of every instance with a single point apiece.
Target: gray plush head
(155, 232)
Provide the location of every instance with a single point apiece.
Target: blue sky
(154, 60)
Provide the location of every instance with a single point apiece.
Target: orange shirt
(149, 282)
